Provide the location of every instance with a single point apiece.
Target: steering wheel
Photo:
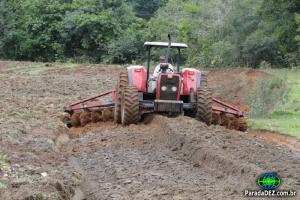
(164, 67)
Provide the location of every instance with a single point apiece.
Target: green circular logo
(269, 181)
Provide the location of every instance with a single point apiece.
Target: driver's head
(162, 59)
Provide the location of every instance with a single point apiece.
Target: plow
(171, 93)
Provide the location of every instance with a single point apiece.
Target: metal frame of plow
(91, 104)
(226, 108)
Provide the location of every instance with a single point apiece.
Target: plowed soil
(160, 158)
(232, 85)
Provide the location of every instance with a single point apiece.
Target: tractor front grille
(168, 93)
(168, 106)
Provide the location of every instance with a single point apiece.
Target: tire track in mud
(176, 158)
(237, 157)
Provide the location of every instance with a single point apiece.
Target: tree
(297, 17)
(279, 24)
(92, 25)
(8, 29)
(198, 23)
(220, 33)
(146, 9)
(128, 47)
(232, 32)
(50, 30)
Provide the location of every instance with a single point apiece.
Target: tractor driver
(159, 69)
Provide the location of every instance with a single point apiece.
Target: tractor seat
(152, 85)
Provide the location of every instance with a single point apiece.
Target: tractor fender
(191, 80)
(137, 76)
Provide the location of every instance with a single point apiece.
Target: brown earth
(161, 158)
(276, 138)
(232, 85)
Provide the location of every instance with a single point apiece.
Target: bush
(265, 95)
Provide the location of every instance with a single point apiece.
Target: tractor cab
(169, 90)
(164, 73)
(150, 45)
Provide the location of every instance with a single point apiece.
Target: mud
(276, 138)
(161, 158)
(175, 159)
(233, 85)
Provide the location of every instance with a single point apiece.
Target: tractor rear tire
(130, 106)
(204, 103)
(122, 82)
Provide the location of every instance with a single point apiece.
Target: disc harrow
(227, 115)
(92, 110)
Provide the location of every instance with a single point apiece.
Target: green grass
(35, 69)
(3, 161)
(3, 185)
(39, 68)
(285, 117)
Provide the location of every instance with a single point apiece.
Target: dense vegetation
(275, 102)
(220, 32)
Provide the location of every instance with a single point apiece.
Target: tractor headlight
(174, 89)
(164, 88)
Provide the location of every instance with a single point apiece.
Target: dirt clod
(96, 116)
(85, 118)
(75, 119)
(107, 115)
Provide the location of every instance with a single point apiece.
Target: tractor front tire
(122, 82)
(204, 105)
(130, 106)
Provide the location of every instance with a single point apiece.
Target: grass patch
(266, 94)
(3, 159)
(35, 69)
(3, 184)
(284, 115)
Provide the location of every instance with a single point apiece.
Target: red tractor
(171, 93)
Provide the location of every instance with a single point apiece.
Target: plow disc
(92, 110)
(82, 118)
(230, 121)
(227, 115)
